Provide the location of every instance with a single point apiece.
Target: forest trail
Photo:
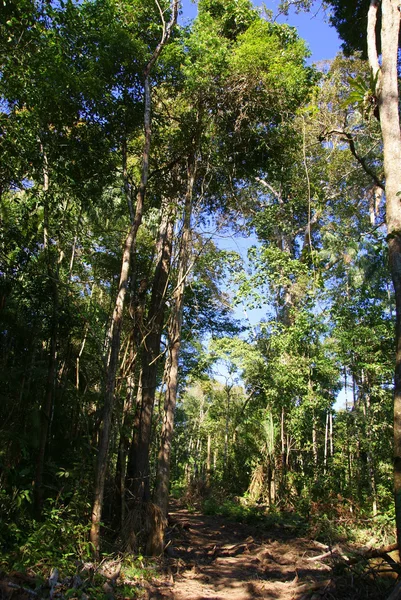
(212, 558)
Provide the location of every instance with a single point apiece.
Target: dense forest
(131, 148)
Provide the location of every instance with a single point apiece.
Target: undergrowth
(252, 514)
(60, 540)
(320, 522)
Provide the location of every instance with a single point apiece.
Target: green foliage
(59, 539)
(364, 94)
(232, 95)
(271, 58)
(350, 19)
(232, 18)
(138, 568)
(206, 56)
(244, 512)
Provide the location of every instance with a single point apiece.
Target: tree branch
(348, 137)
(166, 34)
(270, 188)
(371, 33)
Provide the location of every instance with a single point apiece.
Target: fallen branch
(378, 552)
(321, 556)
(330, 552)
(320, 545)
(307, 588)
(382, 552)
(232, 550)
(15, 586)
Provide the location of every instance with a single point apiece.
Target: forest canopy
(130, 146)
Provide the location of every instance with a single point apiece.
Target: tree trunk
(138, 474)
(163, 466)
(46, 411)
(115, 336)
(104, 437)
(46, 408)
(123, 445)
(187, 470)
(209, 459)
(226, 429)
(104, 440)
(387, 93)
(314, 445)
(283, 454)
(326, 441)
(369, 452)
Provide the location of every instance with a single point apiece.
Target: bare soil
(211, 558)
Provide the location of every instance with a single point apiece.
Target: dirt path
(214, 559)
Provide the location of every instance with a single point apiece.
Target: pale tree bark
(227, 389)
(188, 468)
(314, 444)
(209, 459)
(326, 441)
(47, 404)
(163, 465)
(104, 438)
(281, 467)
(370, 456)
(388, 101)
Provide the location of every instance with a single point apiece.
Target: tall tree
(386, 77)
(382, 37)
(116, 323)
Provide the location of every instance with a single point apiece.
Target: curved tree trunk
(104, 438)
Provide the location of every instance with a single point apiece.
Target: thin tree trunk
(370, 455)
(104, 437)
(387, 93)
(135, 432)
(123, 445)
(139, 462)
(283, 447)
(46, 411)
(226, 429)
(163, 466)
(115, 336)
(104, 440)
(46, 408)
(77, 366)
(187, 470)
(208, 459)
(314, 445)
(326, 439)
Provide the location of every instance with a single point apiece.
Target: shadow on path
(211, 558)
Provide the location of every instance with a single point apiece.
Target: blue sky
(324, 44)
